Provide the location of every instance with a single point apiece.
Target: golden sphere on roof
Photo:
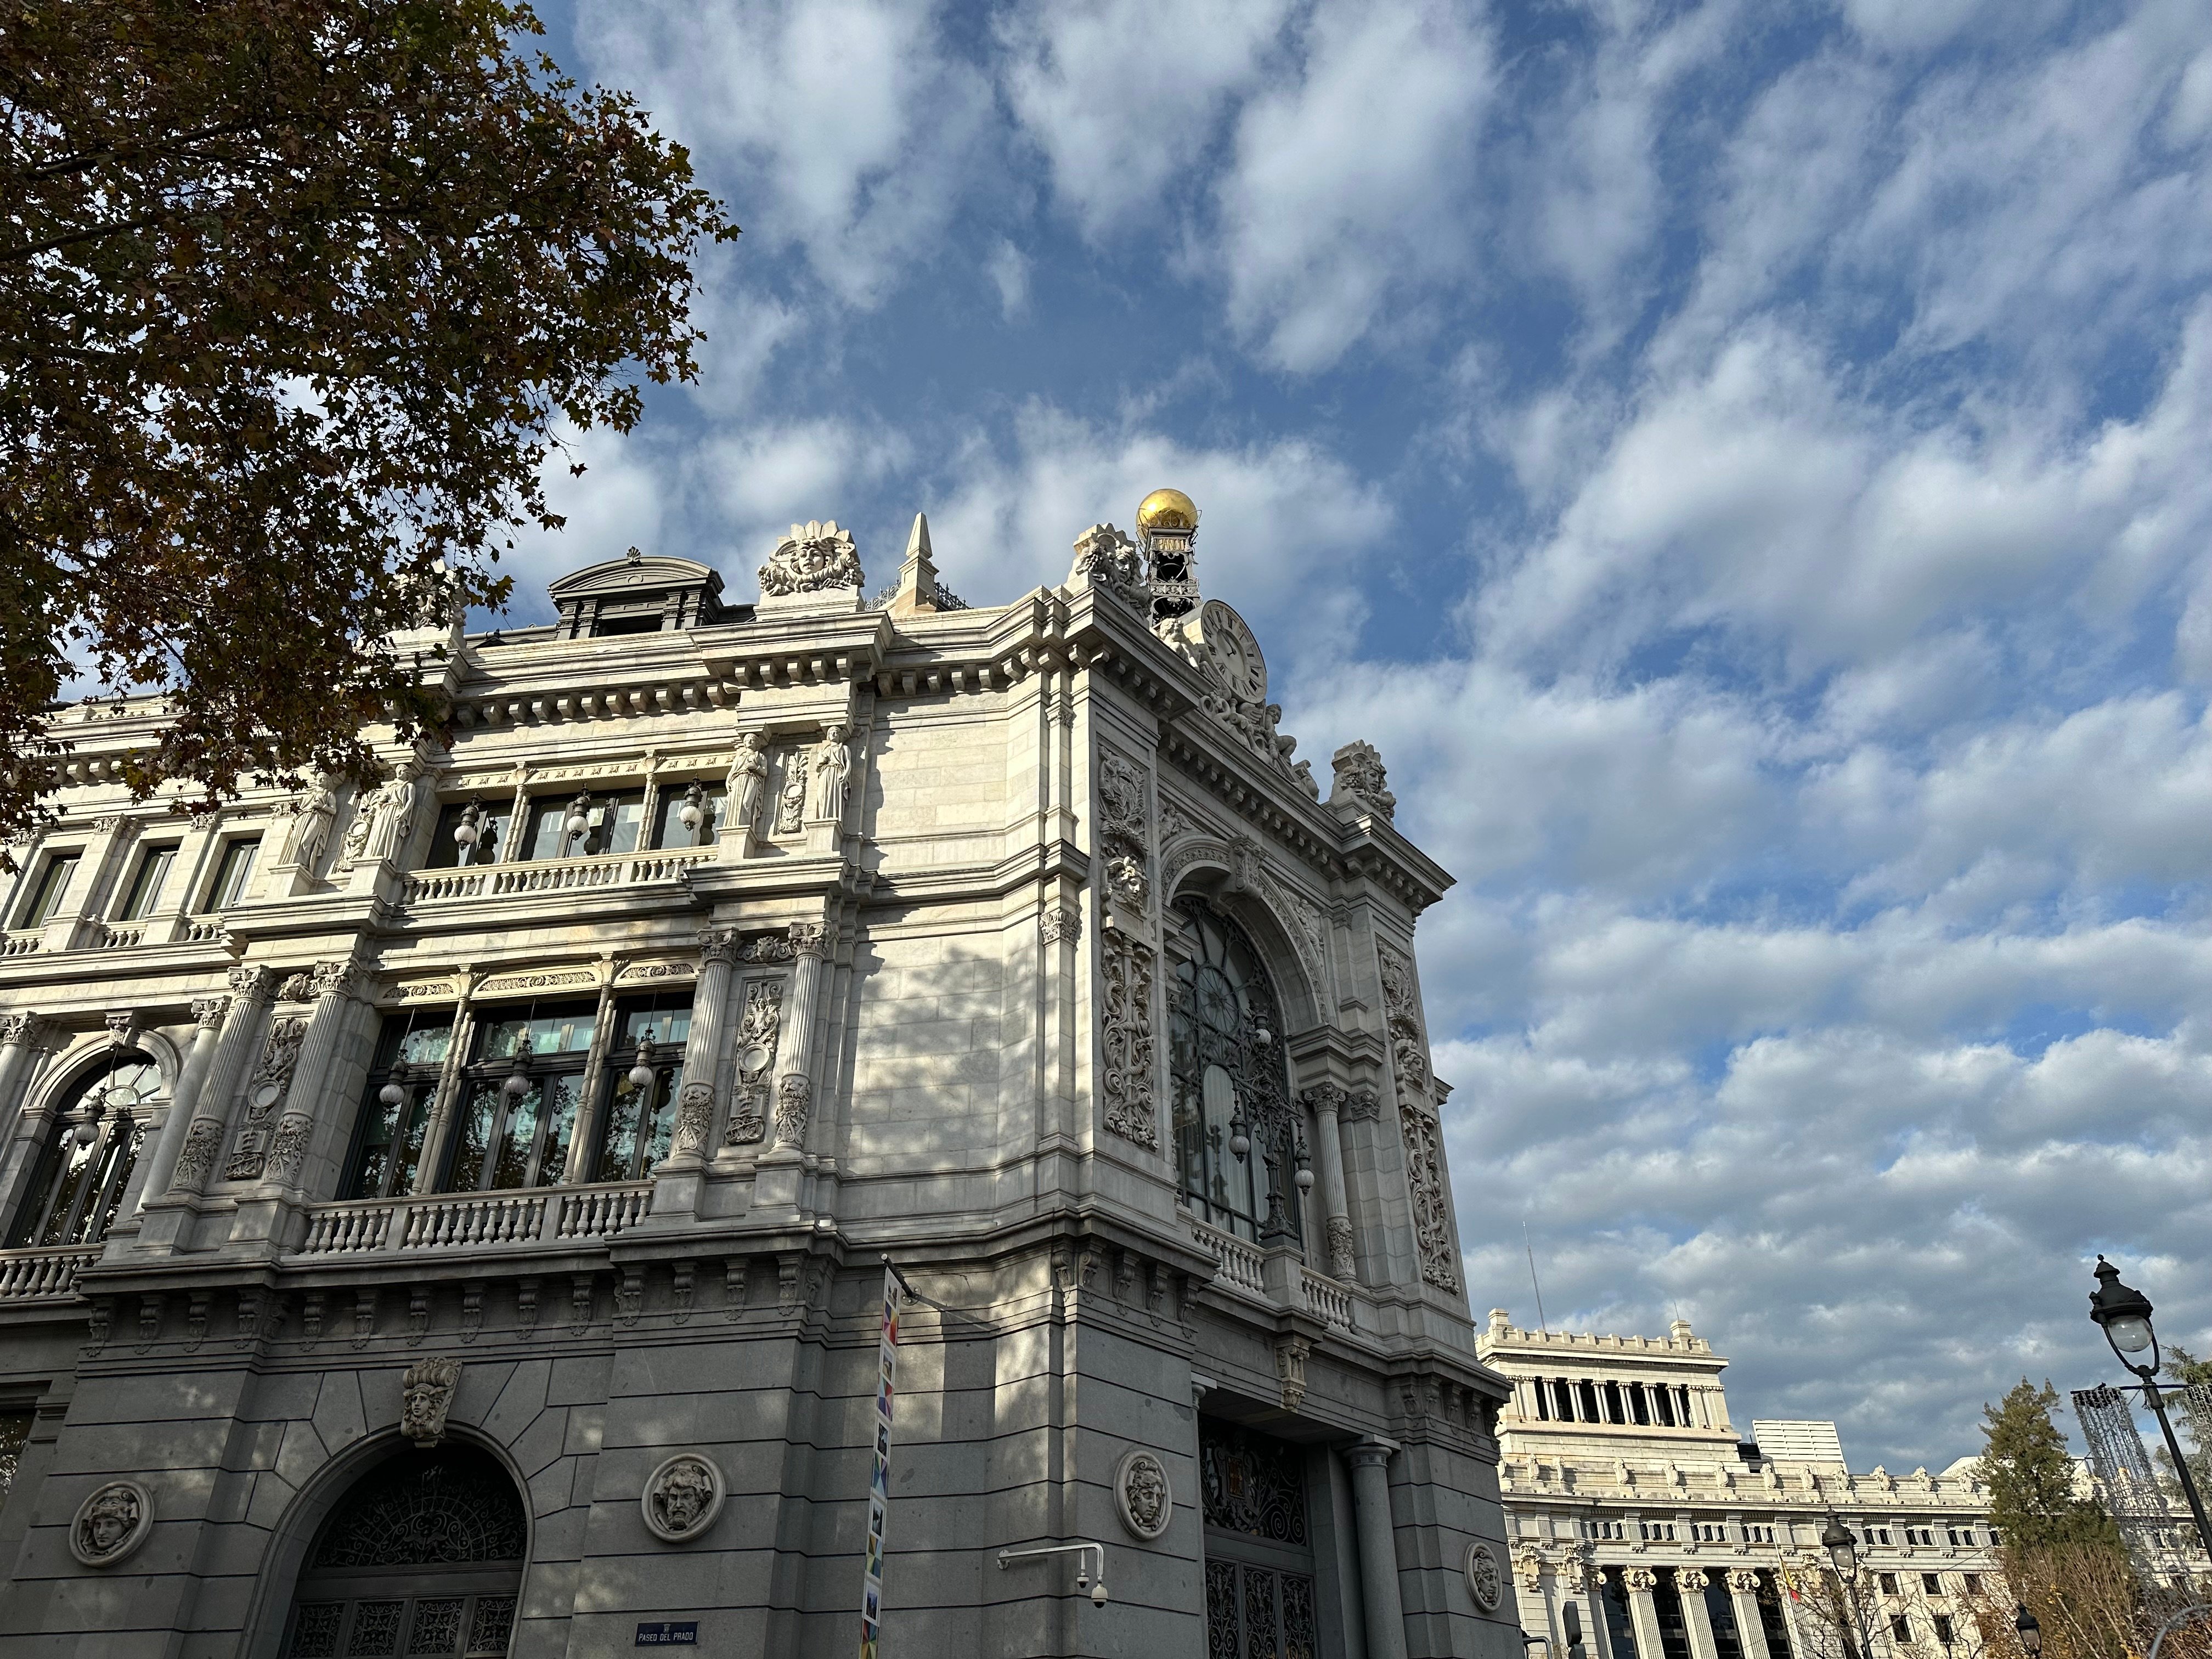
(1167, 509)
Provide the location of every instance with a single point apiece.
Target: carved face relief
(1484, 1581)
(426, 1395)
(682, 1498)
(111, 1523)
(1142, 1494)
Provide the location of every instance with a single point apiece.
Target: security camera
(1098, 1593)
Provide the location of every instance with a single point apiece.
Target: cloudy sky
(1745, 464)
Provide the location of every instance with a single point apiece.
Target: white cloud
(1008, 268)
(843, 128)
(1349, 195)
(1123, 96)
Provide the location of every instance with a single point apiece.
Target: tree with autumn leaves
(296, 297)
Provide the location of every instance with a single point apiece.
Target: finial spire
(917, 587)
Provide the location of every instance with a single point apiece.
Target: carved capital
(1691, 1579)
(1641, 1581)
(1062, 922)
(809, 938)
(207, 1011)
(1744, 1581)
(25, 1031)
(1362, 1103)
(1323, 1097)
(253, 983)
(335, 979)
(721, 944)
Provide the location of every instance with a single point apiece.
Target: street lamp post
(2124, 1314)
(1844, 1557)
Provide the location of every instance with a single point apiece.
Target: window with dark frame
(491, 825)
(1901, 1628)
(612, 824)
(670, 833)
(233, 872)
(52, 886)
(518, 1097)
(1930, 1584)
(1943, 1629)
(395, 1111)
(1227, 1068)
(637, 1125)
(147, 879)
(92, 1144)
(1888, 1582)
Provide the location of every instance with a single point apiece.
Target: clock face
(1235, 653)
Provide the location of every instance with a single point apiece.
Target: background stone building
(449, 1217)
(1647, 1526)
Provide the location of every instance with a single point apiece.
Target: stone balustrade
(45, 1274)
(448, 1221)
(553, 875)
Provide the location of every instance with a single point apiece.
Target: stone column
(1378, 1549)
(250, 990)
(207, 1023)
(695, 1117)
(1643, 1614)
(1326, 1099)
(794, 1084)
(334, 984)
(23, 1038)
(1743, 1596)
(1697, 1619)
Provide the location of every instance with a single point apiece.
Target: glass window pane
(118, 1154)
(660, 1122)
(233, 873)
(146, 883)
(563, 1096)
(668, 829)
(548, 839)
(512, 1167)
(671, 1028)
(75, 1175)
(615, 822)
(562, 1031)
(490, 845)
(53, 887)
(472, 1136)
(618, 1136)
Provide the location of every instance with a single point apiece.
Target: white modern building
(449, 1216)
(1645, 1525)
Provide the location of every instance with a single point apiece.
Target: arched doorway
(423, 1557)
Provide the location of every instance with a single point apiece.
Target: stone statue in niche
(791, 806)
(746, 784)
(383, 821)
(833, 771)
(426, 1395)
(308, 834)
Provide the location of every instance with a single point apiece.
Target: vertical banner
(880, 1492)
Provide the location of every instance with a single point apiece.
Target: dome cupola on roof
(1167, 509)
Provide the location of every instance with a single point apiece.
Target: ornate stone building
(1646, 1526)
(450, 1217)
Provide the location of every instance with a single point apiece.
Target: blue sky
(1746, 465)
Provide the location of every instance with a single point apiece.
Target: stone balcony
(1274, 1278)
(475, 1221)
(553, 876)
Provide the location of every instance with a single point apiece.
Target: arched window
(91, 1146)
(423, 1557)
(1230, 1082)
